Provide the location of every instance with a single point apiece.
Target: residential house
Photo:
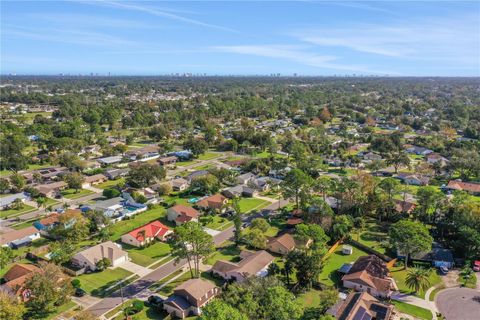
(19, 238)
(89, 258)
(370, 156)
(15, 280)
(118, 207)
(245, 178)
(239, 191)
(51, 190)
(92, 164)
(433, 158)
(195, 174)
(251, 264)
(264, 183)
(94, 180)
(44, 225)
(167, 161)
(146, 234)
(420, 151)
(402, 206)
(7, 201)
(46, 174)
(470, 187)
(438, 256)
(282, 244)
(110, 160)
(146, 153)
(370, 274)
(189, 297)
(361, 306)
(114, 174)
(413, 179)
(181, 214)
(216, 202)
(179, 184)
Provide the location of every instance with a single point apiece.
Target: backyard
(72, 194)
(138, 220)
(96, 283)
(373, 236)
(329, 275)
(9, 213)
(147, 256)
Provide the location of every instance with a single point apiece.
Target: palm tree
(418, 278)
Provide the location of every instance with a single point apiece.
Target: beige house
(282, 244)
(181, 214)
(51, 189)
(252, 264)
(370, 274)
(94, 180)
(88, 258)
(19, 238)
(189, 297)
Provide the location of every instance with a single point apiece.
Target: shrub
(76, 283)
(111, 193)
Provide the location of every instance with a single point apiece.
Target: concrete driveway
(135, 268)
(459, 303)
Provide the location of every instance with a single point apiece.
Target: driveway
(211, 232)
(459, 303)
(86, 301)
(135, 268)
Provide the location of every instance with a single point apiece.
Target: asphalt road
(138, 286)
(459, 303)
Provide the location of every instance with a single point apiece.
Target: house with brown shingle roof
(94, 180)
(51, 189)
(189, 297)
(88, 258)
(216, 202)
(282, 244)
(404, 206)
(15, 279)
(470, 187)
(252, 264)
(181, 214)
(370, 274)
(19, 238)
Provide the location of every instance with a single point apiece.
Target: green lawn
(168, 289)
(71, 194)
(209, 156)
(470, 282)
(159, 283)
(329, 275)
(418, 312)
(97, 282)
(309, 299)
(13, 213)
(186, 163)
(214, 222)
(249, 204)
(228, 252)
(147, 256)
(110, 183)
(138, 220)
(372, 236)
(146, 314)
(399, 275)
(64, 307)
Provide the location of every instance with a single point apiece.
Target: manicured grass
(64, 307)
(249, 204)
(172, 275)
(97, 282)
(309, 299)
(228, 252)
(146, 314)
(435, 292)
(110, 183)
(209, 156)
(399, 275)
(372, 236)
(329, 275)
(412, 310)
(470, 282)
(214, 222)
(71, 194)
(138, 220)
(186, 163)
(13, 213)
(147, 256)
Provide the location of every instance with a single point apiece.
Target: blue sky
(422, 38)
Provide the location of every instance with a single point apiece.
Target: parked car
(443, 270)
(476, 266)
(155, 301)
(79, 292)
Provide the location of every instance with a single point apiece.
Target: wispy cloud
(453, 39)
(159, 13)
(76, 37)
(298, 54)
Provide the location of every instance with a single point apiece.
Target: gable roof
(370, 271)
(286, 240)
(185, 211)
(197, 288)
(216, 201)
(250, 265)
(103, 250)
(362, 306)
(152, 230)
(17, 276)
(8, 237)
(95, 177)
(466, 186)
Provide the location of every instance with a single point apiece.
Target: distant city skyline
(307, 38)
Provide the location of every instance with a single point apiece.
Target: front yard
(228, 252)
(399, 274)
(147, 256)
(215, 222)
(249, 204)
(417, 312)
(330, 276)
(97, 283)
(72, 194)
(110, 183)
(9, 213)
(138, 220)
